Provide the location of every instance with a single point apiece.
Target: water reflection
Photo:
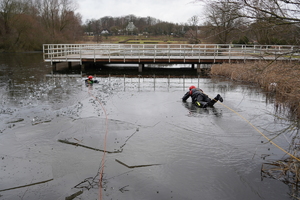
(195, 111)
(23, 67)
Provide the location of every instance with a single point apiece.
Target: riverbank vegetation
(130, 39)
(277, 78)
(25, 25)
(280, 80)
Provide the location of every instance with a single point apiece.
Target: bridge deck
(157, 59)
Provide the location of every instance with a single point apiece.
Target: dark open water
(173, 149)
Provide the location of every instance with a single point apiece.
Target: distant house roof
(105, 31)
(130, 27)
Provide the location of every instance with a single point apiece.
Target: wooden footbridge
(165, 53)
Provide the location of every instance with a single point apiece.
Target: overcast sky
(175, 11)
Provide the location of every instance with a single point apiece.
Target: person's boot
(218, 97)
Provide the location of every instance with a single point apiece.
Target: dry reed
(287, 171)
(282, 78)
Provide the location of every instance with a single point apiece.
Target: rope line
(269, 140)
(104, 145)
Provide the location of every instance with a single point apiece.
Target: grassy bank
(132, 39)
(282, 79)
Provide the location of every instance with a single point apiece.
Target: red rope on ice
(104, 146)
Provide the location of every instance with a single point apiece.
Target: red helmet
(192, 87)
(90, 77)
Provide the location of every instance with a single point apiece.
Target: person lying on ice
(89, 81)
(199, 98)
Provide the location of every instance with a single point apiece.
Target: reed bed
(287, 171)
(282, 81)
(281, 78)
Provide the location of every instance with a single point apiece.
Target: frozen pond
(157, 146)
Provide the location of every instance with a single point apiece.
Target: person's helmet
(192, 87)
(90, 77)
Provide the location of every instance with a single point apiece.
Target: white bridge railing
(196, 52)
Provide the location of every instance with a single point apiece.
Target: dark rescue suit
(200, 99)
(90, 81)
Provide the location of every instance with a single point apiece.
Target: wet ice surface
(175, 150)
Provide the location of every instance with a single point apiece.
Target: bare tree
(264, 16)
(271, 19)
(97, 26)
(286, 11)
(58, 16)
(6, 12)
(15, 22)
(223, 18)
(27, 24)
(192, 34)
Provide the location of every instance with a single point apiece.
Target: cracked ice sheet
(91, 132)
(32, 172)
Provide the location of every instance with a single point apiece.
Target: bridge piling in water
(82, 67)
(54, 67)
(141, 67)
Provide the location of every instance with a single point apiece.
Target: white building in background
(131, 27)
(103, 32)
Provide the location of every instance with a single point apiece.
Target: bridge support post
(198, 68)
(54, 67)
(193, 66)
(141, 67)
(82, 67)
